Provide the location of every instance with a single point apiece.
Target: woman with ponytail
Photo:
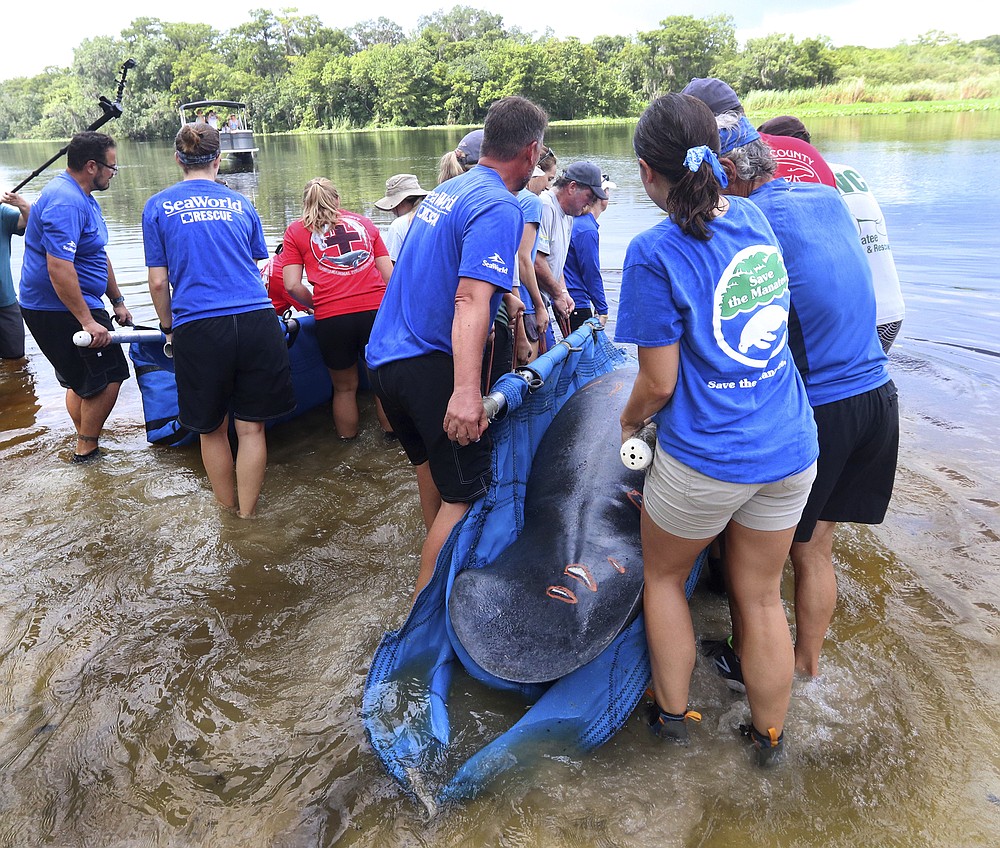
(704, 296)
(347, 265)
(202, 245)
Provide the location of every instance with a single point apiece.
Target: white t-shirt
(554, 233)
(397, 232)
(875, 240)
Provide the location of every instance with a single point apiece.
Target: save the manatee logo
(750, 314)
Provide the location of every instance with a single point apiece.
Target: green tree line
(295, 73)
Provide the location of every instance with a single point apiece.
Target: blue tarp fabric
(405, 704)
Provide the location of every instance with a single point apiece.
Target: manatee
(562, 591)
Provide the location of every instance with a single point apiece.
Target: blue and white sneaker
(726, 662)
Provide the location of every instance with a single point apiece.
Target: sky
(31, 43)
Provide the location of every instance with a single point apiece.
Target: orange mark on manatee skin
(616, 565)
(581, 573)
(561, 593)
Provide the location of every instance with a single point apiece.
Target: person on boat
(202, 243)
(532, 330)
(426, 348)
(705, 298)
(347, 265)
(854, 189)
(199, 116)
(13, 221)
(838, 352)
(568, 198)
(212, 119)
(584, 281)
(65, 273)
(402, 196)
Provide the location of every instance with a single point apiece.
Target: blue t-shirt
(66, 223)
(832, 321)
(583, 266)
(531, 206)
(9, 216)
(740, 412)
(470, 226)
(208, 238)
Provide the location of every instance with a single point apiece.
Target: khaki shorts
(692, 505)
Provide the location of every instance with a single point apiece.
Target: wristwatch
(118, 301)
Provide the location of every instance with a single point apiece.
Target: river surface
(172, 676)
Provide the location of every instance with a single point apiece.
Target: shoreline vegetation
(758, 113)
(298, 75)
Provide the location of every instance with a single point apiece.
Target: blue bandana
(742, 134)
(204, 159)
(697, 155)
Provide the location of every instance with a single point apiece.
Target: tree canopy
(295, 72)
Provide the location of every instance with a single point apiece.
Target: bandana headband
(204, 159)
(737, 136)
(697, 155)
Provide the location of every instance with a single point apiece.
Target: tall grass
(856, 92)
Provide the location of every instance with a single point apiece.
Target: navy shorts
(342, 338)
(87, 371)
(11, 332)
(858, 443)
(415, 394)
(232, 364)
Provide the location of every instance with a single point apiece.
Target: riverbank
(760, 104)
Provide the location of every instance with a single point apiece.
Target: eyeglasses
(548, 154)
(112, 168)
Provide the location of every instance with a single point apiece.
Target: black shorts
(342, 338)
(87, 371)
(232, 364)
(578, 316)
(415, 394)
(858, 443)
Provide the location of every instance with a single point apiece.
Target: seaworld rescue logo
(750, 313)
(203, 208)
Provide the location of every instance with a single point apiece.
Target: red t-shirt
(270, 273)
(340, 264)
(799, 161)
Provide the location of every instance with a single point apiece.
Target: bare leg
(756, 559)
(217, 456)
(383, 422)
(73, 401)
(430, 497)
(667, 561)
(89, 414)
(815, 595)
(447, 517)
(251, 462)
(345, 401)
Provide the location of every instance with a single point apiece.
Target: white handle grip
(637, 452)
(83, 339)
